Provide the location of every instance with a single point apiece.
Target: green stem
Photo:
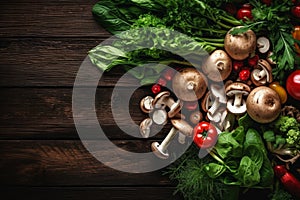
(218, 40)
(213, 30)
(223, 25)
(216, 157)
(231, 20)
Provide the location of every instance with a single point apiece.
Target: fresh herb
(267, 19)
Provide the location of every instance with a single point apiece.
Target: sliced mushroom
(163, 99)
(240, 46)
(236, 93)
(262, 74)
(217, 66)
(145, 127)
(189, 84)
(206, 102)
(146, 104)
(159, 116)
(160, 150)
(269, 58)
(263, 44)
(196, 117)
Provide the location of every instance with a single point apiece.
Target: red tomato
(296, 11)
(293, 84)
(205, 135)
(156, 88)
(244, 13)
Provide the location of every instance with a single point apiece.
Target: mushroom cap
(182, 126)
(218, 91)
(263, 104)
(218, 66)
(235, 87)
(206, 102)
(255, 74)
(145, 127)
(175, 108)
(159, 116)
(189, 84)
(196, 117)
(146, 104)
(263, 44)
(160, 97)
(157, 151)
(240, 46)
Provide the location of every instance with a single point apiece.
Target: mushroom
(263, 104)
(263, 44)
(240, 46)
(163, 99)
(206, 102)
(196, 117)
(236, 103)
(146, 104)
(160, 150)
(189, 84)
(159, 116)
(217, 66)
(145, 127)
(269, 58)
(262, 74)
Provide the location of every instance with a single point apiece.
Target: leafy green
(277, 17)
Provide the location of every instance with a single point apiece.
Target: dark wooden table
(42, 45)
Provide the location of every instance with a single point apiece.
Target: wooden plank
(50, 62)
(57, 18)
(68, 163)
(38, 113)
(89, 193)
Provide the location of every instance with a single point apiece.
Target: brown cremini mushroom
(262, 74)
(189, 84)
(146, 104)
(160, 150)
(145, 127)
(236, 92)
(240, 46)
(263, 104)
(163, 99)
(263, 44)
(217, 66)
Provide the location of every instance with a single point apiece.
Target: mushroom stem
(262, 74)
(238, 99)
(214, 106)
(220, 65)
(165, 143)
(181, 138)
(190, 85)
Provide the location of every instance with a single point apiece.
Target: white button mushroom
(145, 127)
(163, 99)
(263, 44)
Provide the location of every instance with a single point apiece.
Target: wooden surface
(42, 45)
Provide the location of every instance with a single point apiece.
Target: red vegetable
(168, 74)
(293, 84)
(244, 74)
(267, 2)
(237, 65)
(162, 82)
(244, 12)
(288, 180)
(253, 60)
(296, 11)
(205, 135)
(230, 8)
(156, 89)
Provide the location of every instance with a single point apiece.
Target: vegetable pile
(240, 106)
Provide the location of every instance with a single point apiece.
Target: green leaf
(214, 170)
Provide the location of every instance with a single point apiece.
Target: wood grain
(68, 163)
(55, 18)
(89, 193)
(32, 62)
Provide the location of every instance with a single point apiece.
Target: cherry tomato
(205, 135)
(296, 35)
(244, 14)
(280, 91)
(296, 11)
(293, 84)
(169, 73)
(230, 8)
(162, 82)
(237, 65)
(267, 2)
(253, 60)
(156, 88)
(244, 74)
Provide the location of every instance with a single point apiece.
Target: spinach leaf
(248, 172)
(214, 170)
